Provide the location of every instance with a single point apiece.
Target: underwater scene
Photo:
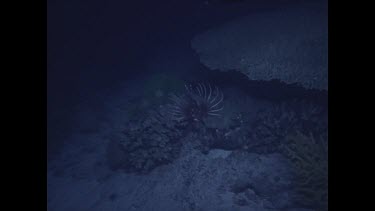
(200, 105)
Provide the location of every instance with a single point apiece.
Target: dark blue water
(93, 44)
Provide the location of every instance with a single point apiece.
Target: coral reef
(289, 44)
(153, 138)
(233, 137)
(310, 161)
(147, 143)
(274, 124)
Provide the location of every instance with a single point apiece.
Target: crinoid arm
(196, 103)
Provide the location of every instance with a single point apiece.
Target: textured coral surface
(287, 44)
(152, 162)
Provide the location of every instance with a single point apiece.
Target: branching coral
(148, 143)
(196, 104)
(274, 124)
(154, 138)
(310, 160)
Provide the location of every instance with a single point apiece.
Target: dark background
(93, 44)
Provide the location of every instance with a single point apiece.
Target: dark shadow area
(273, 90)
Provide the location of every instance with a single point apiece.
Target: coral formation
(274, 124)
(290, 45)
(310, 160)
(153, 138)
(148, 143)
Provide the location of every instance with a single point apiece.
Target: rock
(288, 44)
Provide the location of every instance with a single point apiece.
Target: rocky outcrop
(290, 45)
